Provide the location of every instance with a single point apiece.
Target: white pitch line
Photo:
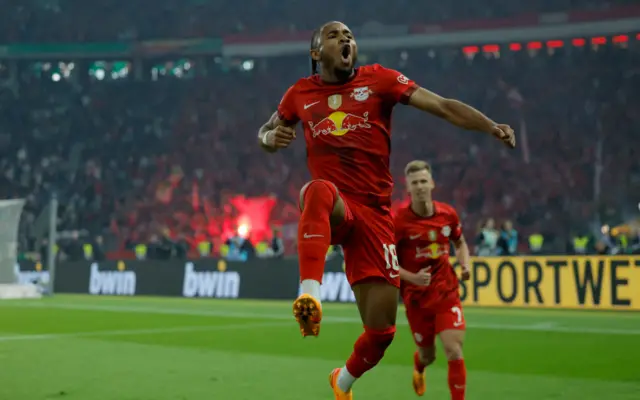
(286, 316)
(150, 331)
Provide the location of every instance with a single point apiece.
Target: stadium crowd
(176, 159)
(45, 21)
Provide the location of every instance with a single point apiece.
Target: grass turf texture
(90, 348)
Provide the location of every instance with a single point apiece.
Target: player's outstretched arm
(275, 134)
(463, 256)
(461, 114)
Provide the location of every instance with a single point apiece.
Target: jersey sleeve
(399, 229)
(287, 108)
(397, 88)
(456, 226)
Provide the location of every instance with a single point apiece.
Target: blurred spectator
(73, 249)
(487, 239)
(30, 21)
(508, 240)
(277, 245)
(238, 248)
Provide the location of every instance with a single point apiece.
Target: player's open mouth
(345, 54)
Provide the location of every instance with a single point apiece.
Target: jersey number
(391, 257)
(458, 312)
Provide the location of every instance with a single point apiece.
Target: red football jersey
(424, 242)
(347, 128)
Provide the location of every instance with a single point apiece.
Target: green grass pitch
(95, 348)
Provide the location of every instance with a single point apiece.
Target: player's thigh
(452, 342)
(339, 208)
(377, 302)
(423, 329)
(369, 248)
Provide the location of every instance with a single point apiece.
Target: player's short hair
(415, 166)
(316, 41)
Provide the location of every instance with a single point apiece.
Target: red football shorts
(367, 237)
(425, 324)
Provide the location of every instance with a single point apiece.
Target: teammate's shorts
(367, 237)
(425, 324)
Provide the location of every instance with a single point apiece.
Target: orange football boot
(308, 313)
(333, 381)
(419, 384)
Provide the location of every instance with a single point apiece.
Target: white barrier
(12, 291)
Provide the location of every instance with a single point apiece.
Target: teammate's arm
(460, 114)
(276, 134)
(462, 254)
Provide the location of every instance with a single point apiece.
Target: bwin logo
(218, 284)
(119, 283)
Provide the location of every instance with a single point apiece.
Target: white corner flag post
(10, 285)
(53, 237)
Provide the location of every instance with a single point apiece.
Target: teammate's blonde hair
(415, 166)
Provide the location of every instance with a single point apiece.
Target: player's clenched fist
(465, 274)
(280, 137)
(505, 134)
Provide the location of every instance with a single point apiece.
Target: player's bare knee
(427, 355)
(453, 351)
(382, 321)
(426, 361)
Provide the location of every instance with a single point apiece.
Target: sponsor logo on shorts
(418, 337)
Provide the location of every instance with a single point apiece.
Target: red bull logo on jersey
(339, 123)
(433, 251)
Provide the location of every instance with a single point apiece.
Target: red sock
(417, 364)
(369, 350)
(457, 379)
(314, 229)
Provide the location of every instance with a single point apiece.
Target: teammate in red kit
(346, 115)
(429, 284)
